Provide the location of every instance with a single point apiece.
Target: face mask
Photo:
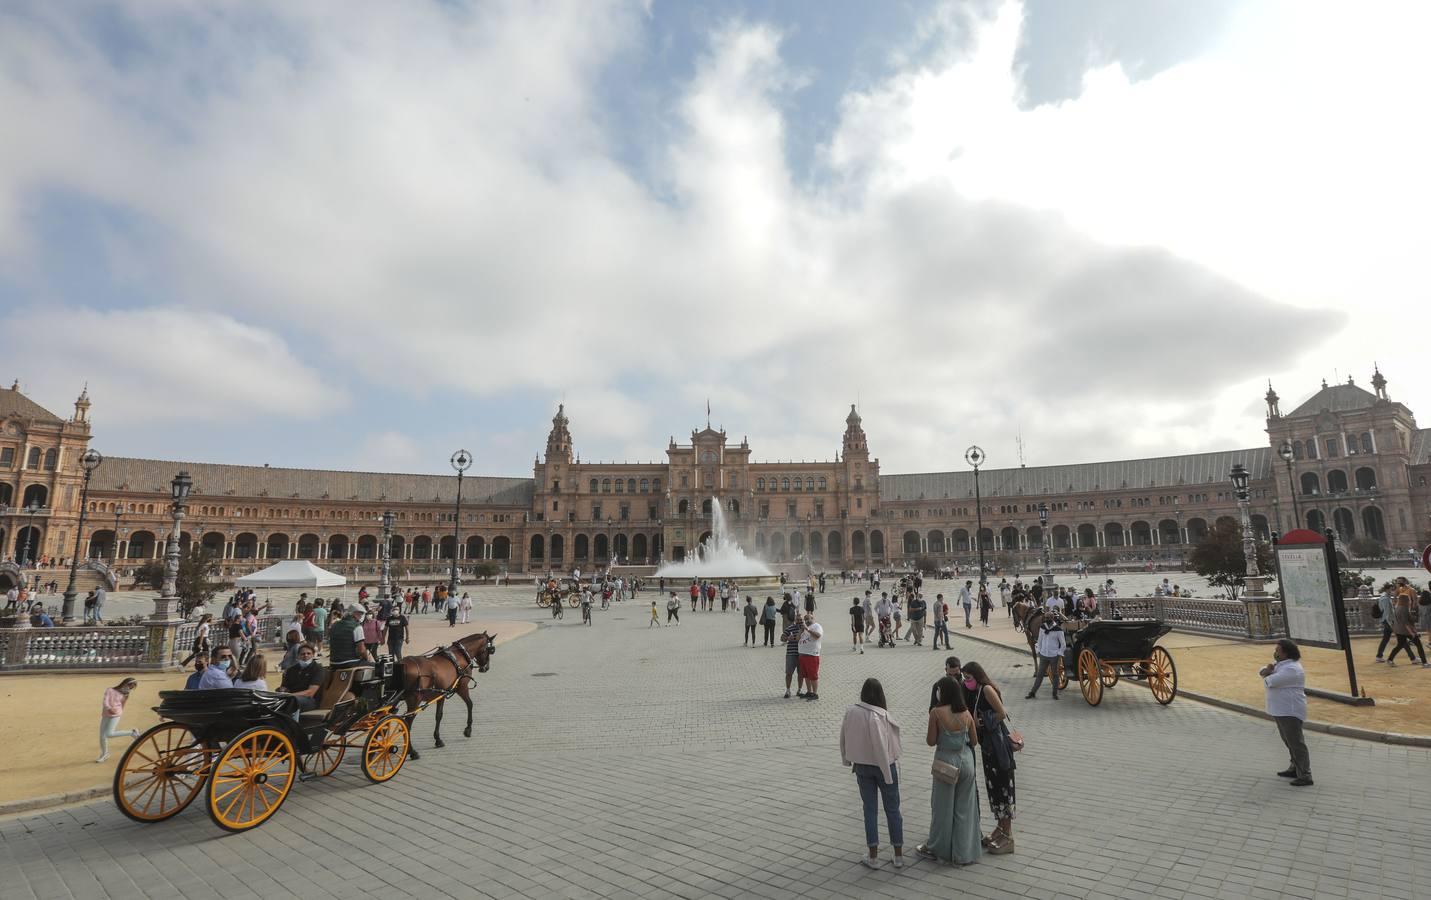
(970, 683)
(305, 663)
(223, 664)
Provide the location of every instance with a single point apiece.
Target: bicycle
(586, 613)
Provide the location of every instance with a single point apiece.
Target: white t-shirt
(810, 639)
(258, 684)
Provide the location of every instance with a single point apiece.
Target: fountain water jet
(719, 556)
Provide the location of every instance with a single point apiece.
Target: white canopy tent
(292, 573)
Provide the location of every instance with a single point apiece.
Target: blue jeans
(941, 629)
(871, 781)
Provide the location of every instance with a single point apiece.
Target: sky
(362, 234)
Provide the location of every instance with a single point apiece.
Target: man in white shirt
(966, 600)
(1287, 704)
(809, 650)
(1051, 644)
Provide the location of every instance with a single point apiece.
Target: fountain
(718, 557)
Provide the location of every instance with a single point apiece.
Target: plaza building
(1355, 462)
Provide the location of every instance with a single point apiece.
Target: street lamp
(461, 461)
(1043, 537)
(1285, 451)
(974, 456)
(89, 462)
(30, 511)
(385, 578)
(1182, 540)
(179, 490)
(1240, 477)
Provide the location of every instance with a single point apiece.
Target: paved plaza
(622, 761)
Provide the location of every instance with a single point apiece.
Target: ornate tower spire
(1273, 412)
(855, 444)
(82, 405)
(559, 438)
(1378, 381)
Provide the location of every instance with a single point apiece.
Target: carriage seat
(337, 688)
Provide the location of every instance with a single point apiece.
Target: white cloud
(164, 365)
(438, 184)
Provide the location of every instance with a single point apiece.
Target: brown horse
(442, 672)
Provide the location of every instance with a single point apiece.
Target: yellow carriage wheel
(543, 600)
(1060, 676)
(1089, 678)
(251, 779)
(573, 599)
(1162, 675)
(385, 750)
(324, 761)
(160, 773)
(1107, 674)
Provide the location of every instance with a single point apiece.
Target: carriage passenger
(346, 645)
(304, 678)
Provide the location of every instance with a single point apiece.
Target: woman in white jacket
(869, 740)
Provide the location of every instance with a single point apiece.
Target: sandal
(924, 851)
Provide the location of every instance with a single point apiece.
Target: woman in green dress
(954, 824)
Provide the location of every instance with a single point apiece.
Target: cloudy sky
(362, 234)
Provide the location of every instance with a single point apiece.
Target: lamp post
(461, 461)
(1182, 539)
(118, 512)
(1253, 579)
(1043, 538)
(385, 570)
(168, 594)
(974, 456)
(29, 532)
(1285, 451)
(89, 462)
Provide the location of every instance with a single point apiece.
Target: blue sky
(360, 235)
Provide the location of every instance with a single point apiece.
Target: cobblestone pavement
(665, 763)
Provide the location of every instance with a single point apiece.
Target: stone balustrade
(118, 648)
(1252, 618)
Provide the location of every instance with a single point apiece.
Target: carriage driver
(346, 647)
(303, 678)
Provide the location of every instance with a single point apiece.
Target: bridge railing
(1257, 618)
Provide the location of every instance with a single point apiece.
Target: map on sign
(1307, 595)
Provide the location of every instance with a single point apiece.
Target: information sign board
(1308, 595)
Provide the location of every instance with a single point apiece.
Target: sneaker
(1391, 662)
(800, 694)
(870, 862)
(1301, 782)
(102, 757)
(1287, 773)
(1030, 695)
(899, 861)
(1379, 659)
(862, 651)
(787, 695)
(1055, 695)
(925, 852)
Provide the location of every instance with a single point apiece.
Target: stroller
(886, 631)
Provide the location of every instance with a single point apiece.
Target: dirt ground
(53, 735)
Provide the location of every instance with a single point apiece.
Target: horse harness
(463, 669)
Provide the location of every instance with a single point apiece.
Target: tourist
(99, 598)
(655, 615)
(810, 602)
(253, 674)
(768, 615)
(809, 662)
(1287, 704)
(1006, 593)
(372, 632)
(294, 627)
(673, 609)
(869, 615)
(450, 604)
(347, 644)
(884, 611)
(897, 611)
(966, 600)
(216, 675)
(988, 709)
(426, 599)
(954, 835)
(320, 623)
(750, 614)
(201, 639)
(986, 605)
(39, 618)
(695, 596)
(1404, 627)
(395, 631)
(89, 608)
(791, 636)
(304, 679)
(111, 708)
(1385, 609)
(918, 609)
(465, 605)
(941, 622)
(869, 744)
(201, 662)
(1050, 646)
(857, 626)
(788, 610)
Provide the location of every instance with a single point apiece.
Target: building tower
(559, 438)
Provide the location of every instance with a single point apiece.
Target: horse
(442, 672)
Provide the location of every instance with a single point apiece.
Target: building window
(759, 482)
(630, 485)
(606, 485)
(790, 509)
(7, 457)
(822, 482)
(1366, 442)
(1332, 448)
(620, 486)
(596, 512)
(52, 458)
(625, 512)
(34, 460)
(785, 484)
(809, 484)
(645, 485)
(594, 485)
(656, 485)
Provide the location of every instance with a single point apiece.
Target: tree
(1368, 548)
(196, 584)
(1102, 559)
(1219, 559)
(1006, 562)
(925, 564)
(486, 569)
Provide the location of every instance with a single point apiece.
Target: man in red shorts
(810, 657)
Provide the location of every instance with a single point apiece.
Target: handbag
(1016, 740)
(943, 772)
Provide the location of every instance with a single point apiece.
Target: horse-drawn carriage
(559, 589)
(1102, 651)
(248, 748)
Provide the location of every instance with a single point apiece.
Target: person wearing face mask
(304, 678)
(109, 713)
(201, 662)
(219, 673)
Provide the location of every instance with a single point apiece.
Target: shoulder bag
(944, 772)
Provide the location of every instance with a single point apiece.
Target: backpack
(1376, 610)
(1425, 599)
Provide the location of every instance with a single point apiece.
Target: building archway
(476, 547)
(1009, 538)
(1311, 484)
(834, 547)
(101, 544)
(1344, 523)
(777, 547)
(1062, 537)
(1087, 535)
(501, 547)
(27, 544)
(857, 545)
(797, 545)
(422, 547)
(1336, 482)
(601, 547)
(1373, 524)
(639, 548)
(367, 547)
(580, 547)
(141, 545)
(308, 546)
(277, 547)
(537, 550)
(621, 544)
(935, 542)
(558, 548)
(447, 547)
(1197, 531)
(1316, 521)
(36, 495)
(1113, 535)
(1366, 479)
(1141, 533)
(245, 545)
(877, 544)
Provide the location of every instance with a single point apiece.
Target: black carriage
(248, 747)
(558, 589)
(1103, 651)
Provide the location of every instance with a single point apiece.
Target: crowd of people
(1405, 613)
